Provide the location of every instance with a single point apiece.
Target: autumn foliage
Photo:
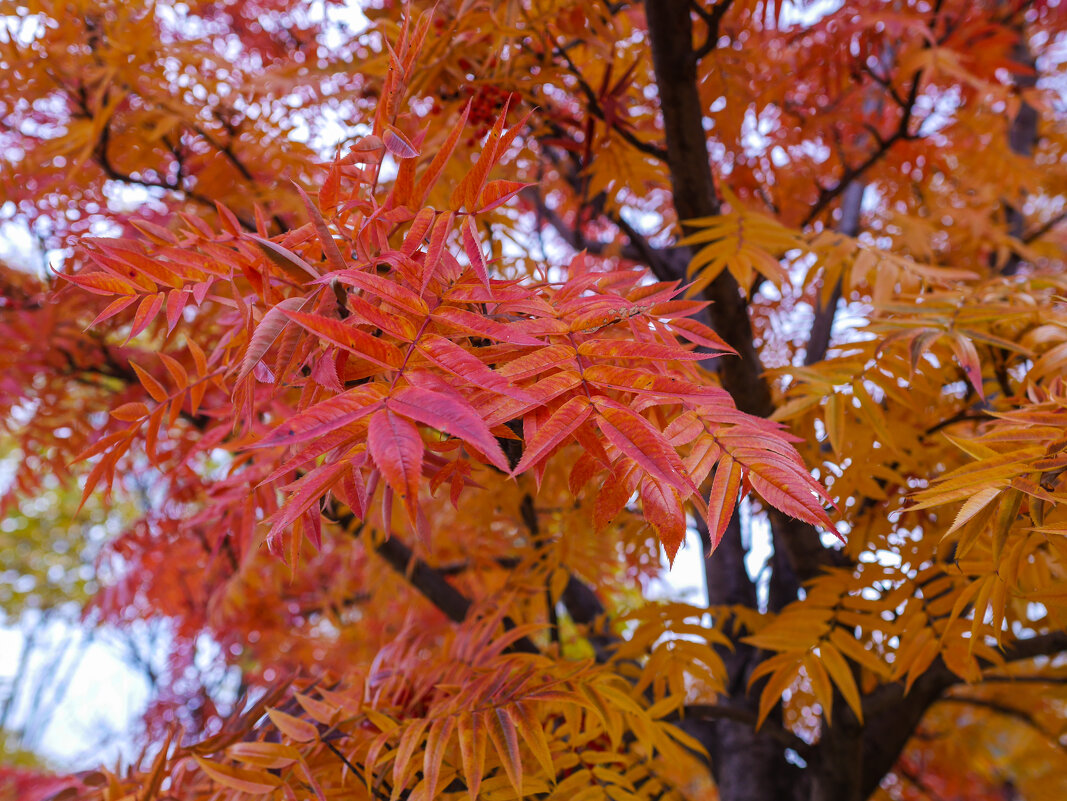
(405, 345)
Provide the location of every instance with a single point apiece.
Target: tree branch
(425, 579)
(725, 712)
(1007, 711)
(1022, 136)
(823, 324)
(598, 111)
(1045, 227)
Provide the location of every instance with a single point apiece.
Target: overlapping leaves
(409, 358)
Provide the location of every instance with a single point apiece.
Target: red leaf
(497, 193)
(365, 150)
(323, 418)
(229, 219)
(638, 439)
(465, 365)
(283, 257)
(154, 232)
(664, 510)
(699, 334)
(628, 349)
(723, 498)
(466, 191)
(450, 414)
(396, 325)
(386, 289)
(176, 300)
(505, 740)
(102, 283)
(440, 159)
(481, 326)
(329, 247)
(268, 330)
(398, 144)
(336, 332)
(417, 232)
(614, 495)
(530, 364)
(397, 449)
(668, 387)
(114, 308)
(442, 227)
(791, 490)
(306, 491)
(473, 248)
(554, 431)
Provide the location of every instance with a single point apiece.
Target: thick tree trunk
(750, 765)
(747, 765)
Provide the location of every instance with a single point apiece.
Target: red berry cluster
(487, 101)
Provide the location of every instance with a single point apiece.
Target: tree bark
(747, 765)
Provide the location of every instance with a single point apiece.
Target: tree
(572, 279)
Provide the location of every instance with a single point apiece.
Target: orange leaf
(254, 782)
(473, 738)
(128, 412)
(505, 740)
(154, 388)
(497, 193)
(293, 727)
(967, 356)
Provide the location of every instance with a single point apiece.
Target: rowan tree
(406, 347)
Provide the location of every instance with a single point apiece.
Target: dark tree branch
(713, 20)
(423, 578)
(1005, 710)
(883, 145)
(892, 716)
(823, 324)
(1041, 645)
(745, 763)
(1022, 137)
(598, 111)
(721, 711)
(572, 235)
(1045, 227)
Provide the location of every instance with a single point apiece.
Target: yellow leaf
(841, 673)
(973, 506)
